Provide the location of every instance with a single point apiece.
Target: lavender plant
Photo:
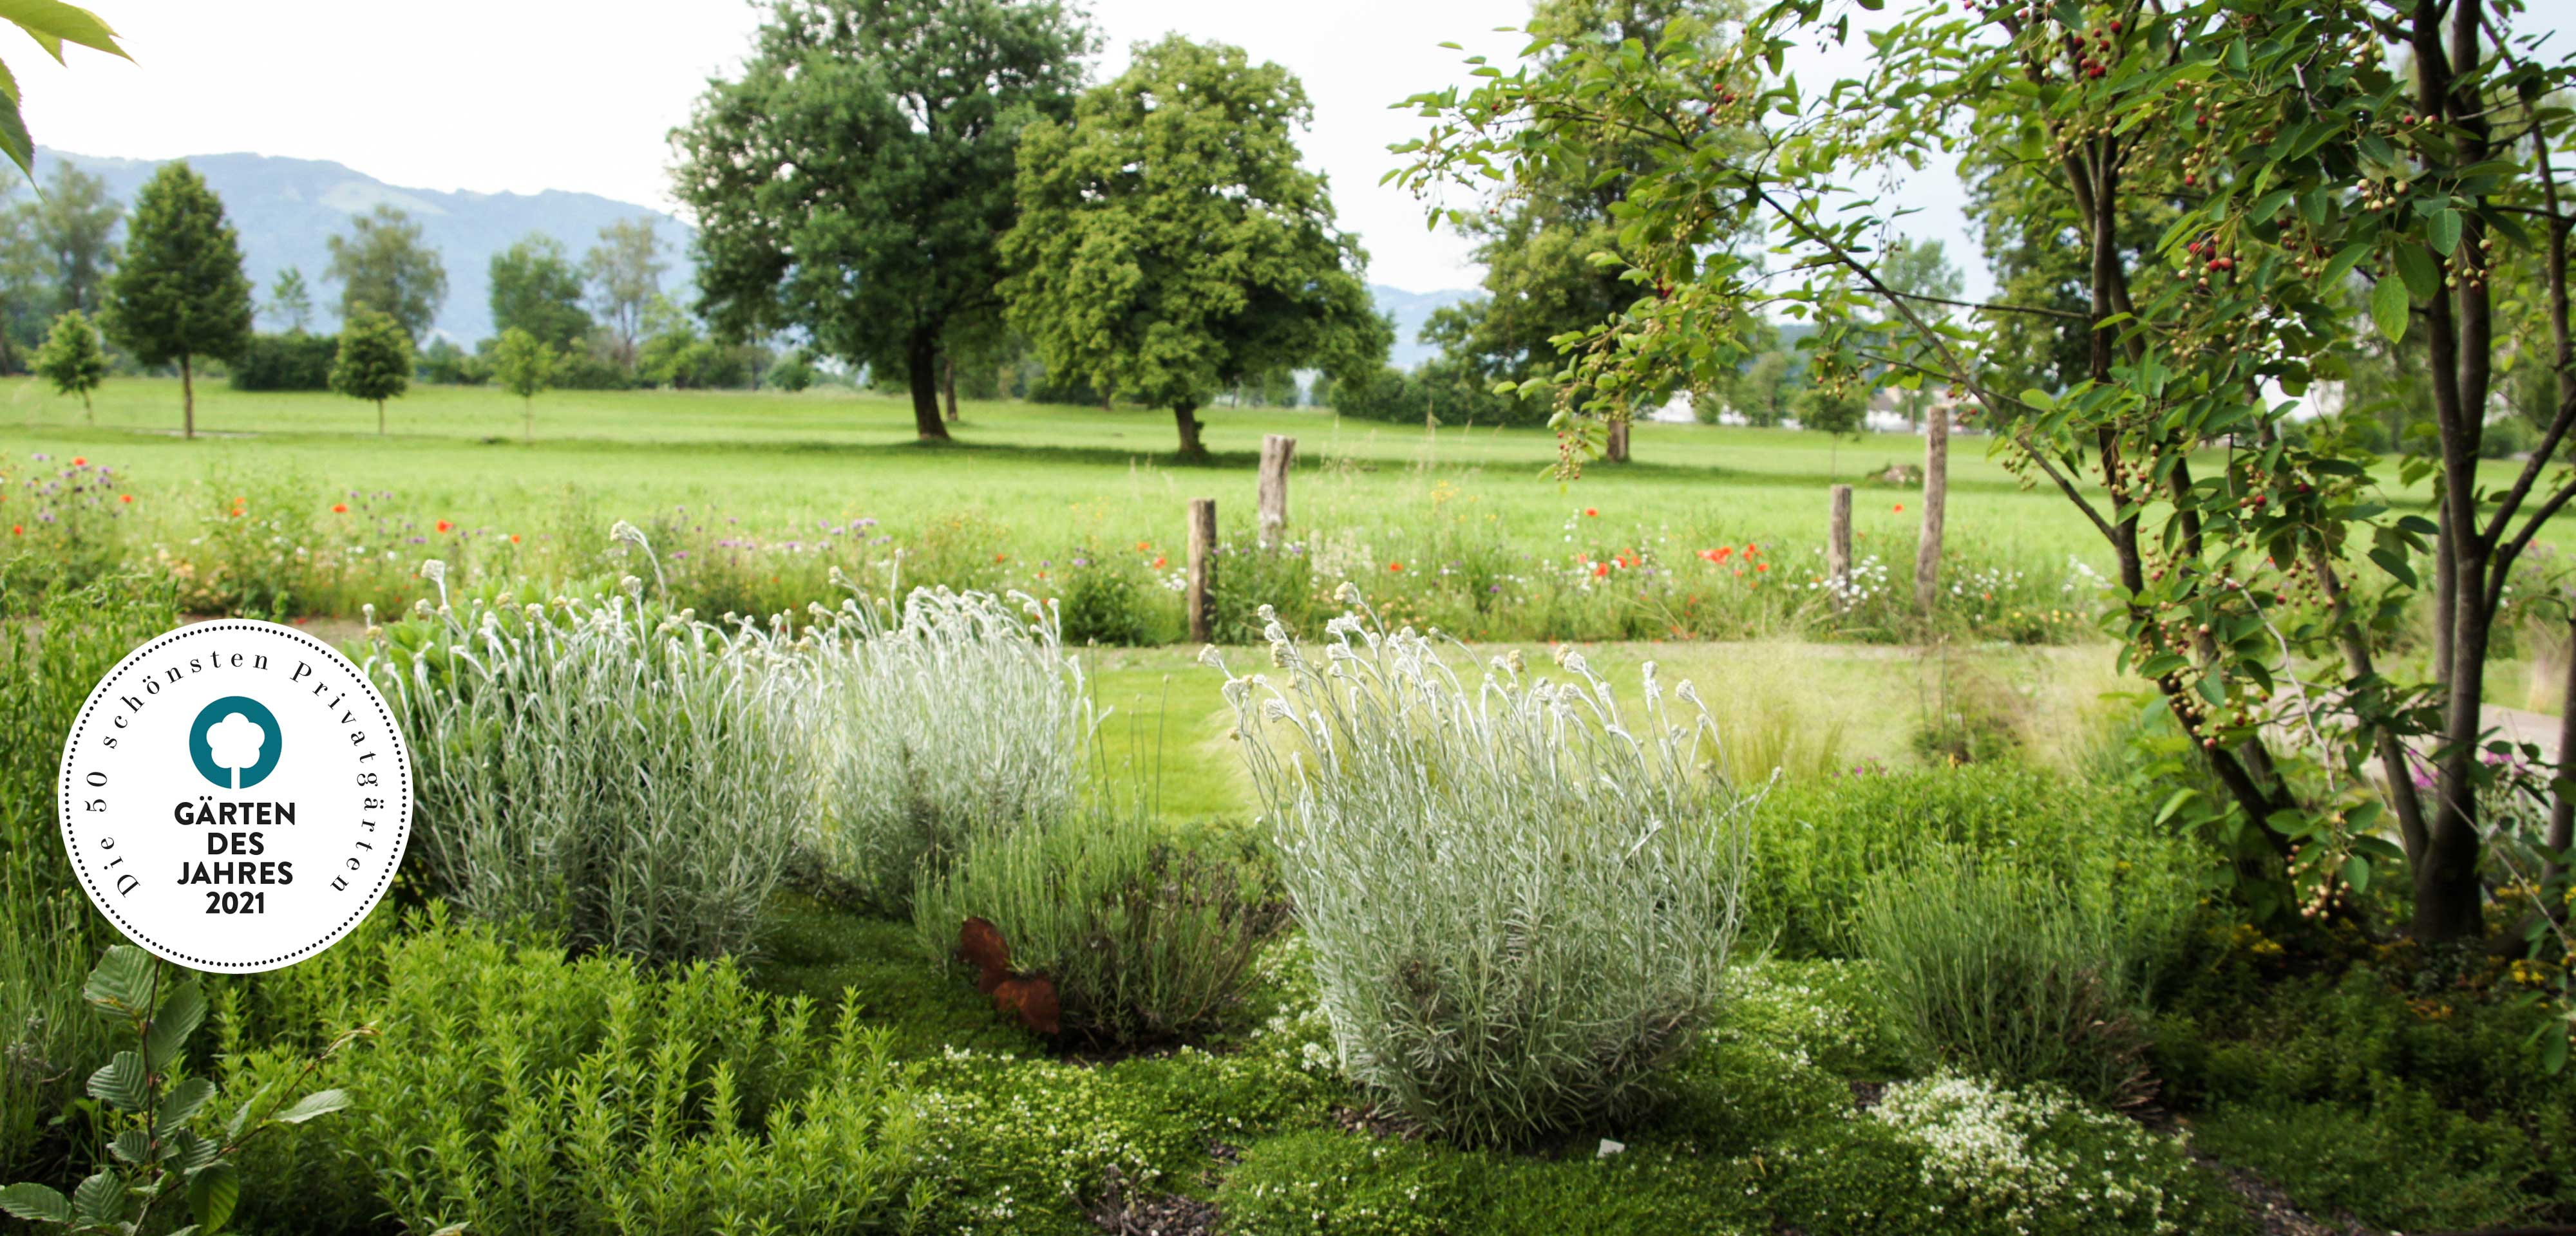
(1520, 906)
(621, 774)
(954, 714)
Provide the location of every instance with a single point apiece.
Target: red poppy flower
(1395, 566)
(339, 508)
(1601, 568)
(1762, 566)
(1160, 563)
(125, 498)
(1900, 508)
(80, 461)
(1591, 512)
(1001, 557)
(514, 538)
(445, 526)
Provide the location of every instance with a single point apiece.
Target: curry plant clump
(945, 715)
(1520, 906)
(601, 767)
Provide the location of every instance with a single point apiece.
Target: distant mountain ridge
(1411, 310)
(287, 209)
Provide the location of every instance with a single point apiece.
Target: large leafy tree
(2262, 576)
(1169, 246)
(1537, 242)
(373, 361)
(536, 288)
(180, 293)
(76, 227)
(384, 265)
(853, 180)
(625, 273)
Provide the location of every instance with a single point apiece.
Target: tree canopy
(625, 272)
(523, 365)
(383, 264)
(72, 360)
(852, 181)
(1170, 246)
(374, 361)
(76, 227)
(536, 288)
(180, 292)
(2290, 176)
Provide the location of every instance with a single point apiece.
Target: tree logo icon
(234, 742)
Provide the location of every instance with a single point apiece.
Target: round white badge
(235, 796)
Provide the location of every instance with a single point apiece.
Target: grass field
(1024, 492)
(782, 461)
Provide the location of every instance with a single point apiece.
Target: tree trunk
(187, 399)
(1186, 415)
(380, 418)
(921, 360)
(2562, 811)
(89, 414)
(948, 383)
(528, 423)
(1936, 506)
(1615, 450)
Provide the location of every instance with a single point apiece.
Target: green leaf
(122, 983)
(120, 1083)
(2395, 564)
(99, 1199)
(179, 1017)
(318, 1103)
(2039, 399)
(2269, 205)
(132, 1146)
(2553, 1050)
(36, 1203)
(184, 1101)
(2342, 263)
(212, 1192)
(2388, 309)
(2175, 804)
(14, 140)
(187, 1152)
(2356, 872)
(2416, 267)
(53, 23)
(2442, 231)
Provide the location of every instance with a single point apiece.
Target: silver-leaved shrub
(950, 716)
(619, 774)
(1520, 902)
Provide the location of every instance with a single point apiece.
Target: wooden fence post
(1202, 594)
(1936, 505)
(1278, 450)
(1838, 560)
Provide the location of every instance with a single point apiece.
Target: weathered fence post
(1838, 543)
(1936, 505)
(1616, 449)
(1202, 594)
(1278, 450)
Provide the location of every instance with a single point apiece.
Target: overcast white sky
(523, 95)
